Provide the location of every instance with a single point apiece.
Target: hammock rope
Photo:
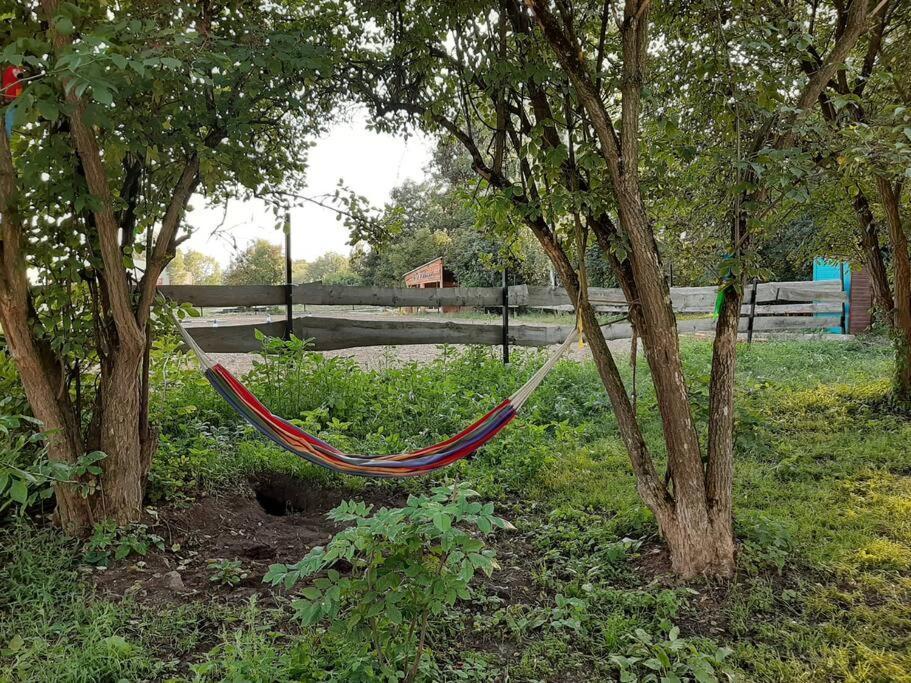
(398, 465)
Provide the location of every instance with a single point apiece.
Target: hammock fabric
(398, 465)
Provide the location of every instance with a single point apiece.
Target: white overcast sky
(369, 163)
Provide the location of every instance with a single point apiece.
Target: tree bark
(872, 255)
(889, 196)
(40, 375)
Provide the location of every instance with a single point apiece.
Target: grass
(823, 511)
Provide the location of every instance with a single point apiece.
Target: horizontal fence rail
(218, 296)
(684, 299)
(329, 334)
(781, 306)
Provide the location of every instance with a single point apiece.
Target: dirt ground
(276, 519)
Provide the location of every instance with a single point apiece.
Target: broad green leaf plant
(408, 566)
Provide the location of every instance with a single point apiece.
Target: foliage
(330, 268)
(227, 572)
(14, 399)
(409, 565)
(260, 263)
(27, 476)
(52, 625)
(822, 503)
(435, 218)
(669, 659)
(110, 543)
(765, 543)
(128, 111)
(191, 267)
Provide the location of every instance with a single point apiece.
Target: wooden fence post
(289, 286)
(505, 318)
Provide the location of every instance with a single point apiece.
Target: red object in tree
(12, 86)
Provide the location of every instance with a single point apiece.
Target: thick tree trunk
(699, 538)
(696, 527)
(700, 542)
(873, 258)
(123, 470)
(901, 260)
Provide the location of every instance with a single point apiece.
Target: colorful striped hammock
(398, 465)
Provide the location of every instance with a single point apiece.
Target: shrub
(408, 564)
(227, 572)
(110, 543)
(26, 475)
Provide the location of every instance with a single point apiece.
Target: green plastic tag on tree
(719, 301)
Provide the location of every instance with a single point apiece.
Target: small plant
(112, 543)
(227, 572)
(26, 474)
(653, 660)
(765, 543)
(408, 564)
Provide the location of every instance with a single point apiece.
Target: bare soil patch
(277, 519)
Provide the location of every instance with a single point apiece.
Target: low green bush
(409, 565)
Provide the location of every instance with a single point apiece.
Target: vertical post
(289, 286)
(752, 311)
(844, 322)
(670, 273)
(505, 318)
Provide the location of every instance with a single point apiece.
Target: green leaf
(19, 492)
(102, 95)
(393, 614)
(64, 26)
(442, 521)
(48, 109)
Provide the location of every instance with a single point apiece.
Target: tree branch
(163, 250)
(86, 144)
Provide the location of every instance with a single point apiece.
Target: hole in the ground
(282, 494)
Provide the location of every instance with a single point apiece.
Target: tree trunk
(699, 538)
(120, 489)
(700, 544)
(873, 258)
(901, 260)
(121, 495)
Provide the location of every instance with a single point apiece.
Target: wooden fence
(777, 306)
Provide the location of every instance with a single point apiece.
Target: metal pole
(505, 319)
(752, 312)
(289, 286)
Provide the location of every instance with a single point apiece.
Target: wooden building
(432, 274)
(857, 313)
(860, 306)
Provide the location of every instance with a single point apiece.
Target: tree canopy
(128, 110)
(191, 267)
(260, 263)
